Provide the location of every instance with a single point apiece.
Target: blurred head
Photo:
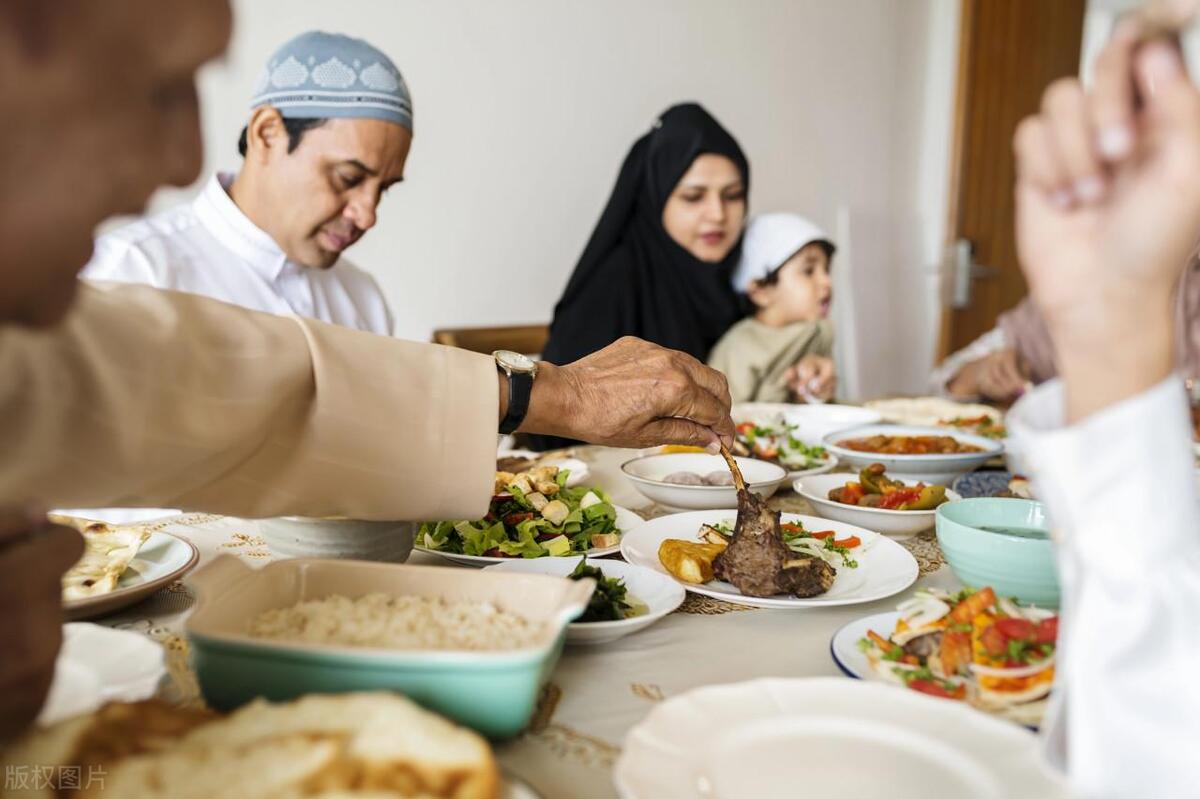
(705, 211)
(798, 291)
(101, 109)
(317, 193)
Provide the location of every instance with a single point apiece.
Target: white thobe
(210, 247)
(1120, 489)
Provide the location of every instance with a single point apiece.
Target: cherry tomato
(851, 493)
(1047, 631)
(1015, 629)
(935, 689)
(994, 641)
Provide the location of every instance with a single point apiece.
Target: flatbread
(108, 553)
(930, 411)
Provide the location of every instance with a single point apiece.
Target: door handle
(964, 271)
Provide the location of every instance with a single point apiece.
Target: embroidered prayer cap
(770, 241)
(318, 74)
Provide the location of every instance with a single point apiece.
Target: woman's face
(704, 213)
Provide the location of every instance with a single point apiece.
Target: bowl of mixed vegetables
(532, 514)
(627, 598)
(876, 501)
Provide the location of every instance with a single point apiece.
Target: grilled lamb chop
(757, 561)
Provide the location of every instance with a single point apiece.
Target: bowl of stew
(933, 455)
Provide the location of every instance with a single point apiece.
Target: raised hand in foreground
(1108, 211)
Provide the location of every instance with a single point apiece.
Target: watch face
(515, 361)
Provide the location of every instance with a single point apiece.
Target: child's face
(803, 291)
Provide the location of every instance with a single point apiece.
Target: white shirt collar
(217, 211)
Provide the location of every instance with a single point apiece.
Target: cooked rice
(397, 622)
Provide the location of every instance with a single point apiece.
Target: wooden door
(1009, 51)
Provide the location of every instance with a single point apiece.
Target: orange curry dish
(909, 445)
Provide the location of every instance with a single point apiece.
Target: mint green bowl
(1004, 543)
(493, 692)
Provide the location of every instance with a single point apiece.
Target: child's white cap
(770, 240)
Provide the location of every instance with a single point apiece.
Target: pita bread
(108, 553)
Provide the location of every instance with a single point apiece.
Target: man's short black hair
(295, 130)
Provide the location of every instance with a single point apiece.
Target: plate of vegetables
(627, 598)
(779, 442)
(876, 501)
(532, 514)
(971, 646)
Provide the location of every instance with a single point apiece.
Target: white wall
(525, 108)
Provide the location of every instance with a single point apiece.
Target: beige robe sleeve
(152, 398)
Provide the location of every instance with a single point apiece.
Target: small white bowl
(814, 422)
(931, 469)
(348, 539)
(659, 593)
(899, 524)
(647, 475)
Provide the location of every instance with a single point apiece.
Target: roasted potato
(689, 561)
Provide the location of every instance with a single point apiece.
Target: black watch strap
(520, 386)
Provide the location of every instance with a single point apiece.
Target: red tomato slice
(791, 527)
(994, 642)
(1015, 629)
(745, 427)
(934, 689)
(1047, 631)
(824, 534)
(848, 543)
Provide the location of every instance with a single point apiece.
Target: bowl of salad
(627, 598)
(874, 500)
(532, 514)
(780, 443)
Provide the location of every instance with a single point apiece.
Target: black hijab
(633, 278)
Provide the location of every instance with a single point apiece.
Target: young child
(782, 351)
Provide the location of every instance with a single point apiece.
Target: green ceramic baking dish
(492, 692)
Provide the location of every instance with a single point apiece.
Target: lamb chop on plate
(757, 561)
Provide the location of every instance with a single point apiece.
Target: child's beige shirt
(755, 358)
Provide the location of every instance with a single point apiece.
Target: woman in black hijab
(659, 263)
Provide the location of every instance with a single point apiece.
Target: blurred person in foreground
(1108, 205)
(128, 395)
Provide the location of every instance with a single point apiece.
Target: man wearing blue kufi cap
(329, 132)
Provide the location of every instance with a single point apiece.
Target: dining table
(596, 693)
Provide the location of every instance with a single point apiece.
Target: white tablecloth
(596, 693)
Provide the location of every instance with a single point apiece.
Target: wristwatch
(520, 370)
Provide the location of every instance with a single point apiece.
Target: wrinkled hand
(632, 394)
(33, 556)
(999, 376)
(1108, 211)
(814, 375)
(1108, 193)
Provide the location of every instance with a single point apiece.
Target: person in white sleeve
(1108, 202)
(329, 132)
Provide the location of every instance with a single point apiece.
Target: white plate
(773, 737)
(827, 466)
(898, 524)
(97, 665)
(843, 647)
(930, 411)
(626, 521)
(658, 592)
(647, 473)
(579, 470)
(884, 567)
(162, 560)
(932, 469)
